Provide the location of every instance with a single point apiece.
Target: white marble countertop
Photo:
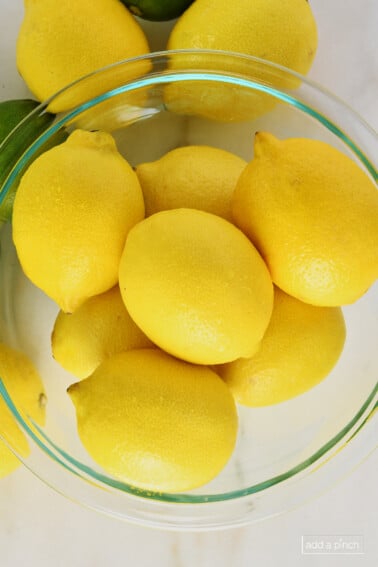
(39, 528)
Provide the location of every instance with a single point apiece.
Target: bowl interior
(275, 443)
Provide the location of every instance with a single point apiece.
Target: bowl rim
(212, 52)
(217, 75)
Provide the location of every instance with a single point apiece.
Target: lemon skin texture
(281, 31)
(99, 328)
(195, 177)
(25, 387)
(156, 422)
(196, 286)
(72, 212)
(299, 349)
(60, 42)
(313, 215)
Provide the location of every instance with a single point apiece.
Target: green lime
(157, 10)
(12, 112)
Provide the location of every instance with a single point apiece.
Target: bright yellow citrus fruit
(196, 286)
(313, 214)
(99, 328)
(25, 388)
(60, 42)
(72, 212)
(194, 177)
(156, 422)
(282, 31)
(300, 347)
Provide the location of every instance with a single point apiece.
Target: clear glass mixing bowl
(286, 453)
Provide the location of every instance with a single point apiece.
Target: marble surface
(39, 528)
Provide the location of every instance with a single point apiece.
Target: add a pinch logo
(332, 545)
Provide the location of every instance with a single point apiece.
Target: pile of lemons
(197, 281)
(193, 283)
(59, 43)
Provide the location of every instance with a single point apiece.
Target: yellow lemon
(99, 328)
(282, 31)
(156, 422)
(72, 212)
(60, 42)
(25, 387)
(313, 214)
(195, 177)
(300, 347)
(196, 286)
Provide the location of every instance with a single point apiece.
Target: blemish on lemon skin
(135, 10)
(42, 400)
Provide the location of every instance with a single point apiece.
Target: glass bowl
(285, 454)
